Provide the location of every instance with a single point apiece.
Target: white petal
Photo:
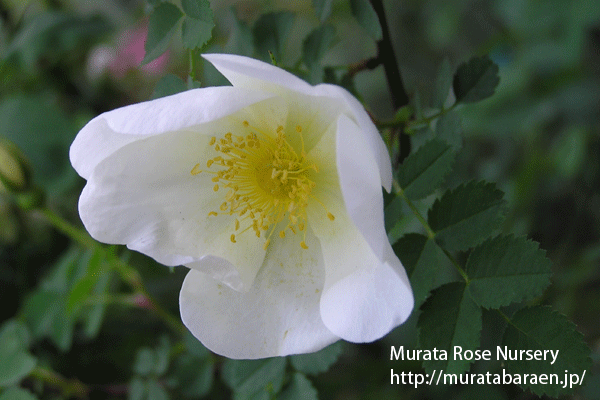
(360, 184)
(144, 195)
(278, 316)
(369, 303)
(371, 134)
(112, 130)
(253, 74)
(366, 294)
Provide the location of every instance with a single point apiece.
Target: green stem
(68, 229)
(505, 317)
(427, 120)
(460, 270)
(430, 232)
(127, 273)
(192, 65)
(400, 192)
(69, 387)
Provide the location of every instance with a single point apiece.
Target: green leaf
(241, 39)
(192, 84)
(137, 389)
(540, 328)
(83, 287)
(54, 36)
(61, 329)
(507, 269)
(156, 391)
(317, 44)
(198, 23)
(300, 388)
(16, 393)
(40, 309)
(475, 80)
(168, 85)
(322, 8)
(16, 362)
(443, 81)
(194, 346)
(254, 378)
(423, 171)
(194, 376)
(421, 258)
(449, 318)
(95, 314)
(367, 17)
(393, 213)
(144, 361)
(449, 128)
(467, 215)
(318, 362)
(66, 271)
(163, 355)
(487, 392)
(270, 33)
(161, 27)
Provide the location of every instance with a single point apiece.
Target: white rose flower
(269, 191)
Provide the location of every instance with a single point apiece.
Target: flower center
(267, 182)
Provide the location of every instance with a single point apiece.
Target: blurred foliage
(78, 325)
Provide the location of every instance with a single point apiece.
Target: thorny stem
(386, 56)
(430, 232)
(125, 271)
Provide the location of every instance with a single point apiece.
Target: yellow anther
(232, 238)
(212, 213)
(330, 216)
(267, 181)
(212, 141)
(196, 170)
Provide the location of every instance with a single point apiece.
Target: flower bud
(15, 173)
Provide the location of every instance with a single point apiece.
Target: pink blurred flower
(130, 53)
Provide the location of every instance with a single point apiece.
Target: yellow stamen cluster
(267, 181)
